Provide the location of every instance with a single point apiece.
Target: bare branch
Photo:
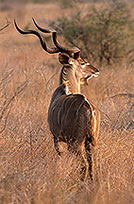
(4, 127)
(5, 26)
(18, 91)
(123, 94)
(5, 77)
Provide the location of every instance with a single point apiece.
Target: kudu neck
(69, 79)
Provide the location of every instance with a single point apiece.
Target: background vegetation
(105, 35)
(30, 170)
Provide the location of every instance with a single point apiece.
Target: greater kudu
(72, 118)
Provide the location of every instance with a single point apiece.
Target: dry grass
(30, 170)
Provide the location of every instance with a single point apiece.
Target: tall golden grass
(30, 169)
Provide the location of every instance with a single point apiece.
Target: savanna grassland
(30, 169)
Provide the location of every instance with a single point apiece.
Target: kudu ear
(64, 58)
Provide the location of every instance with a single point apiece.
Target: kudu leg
(59, 145)
(80, 152)
(56, 145)
(85, 165)
(90, 159)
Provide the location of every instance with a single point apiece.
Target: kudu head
(68, 57)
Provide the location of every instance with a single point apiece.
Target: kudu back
(72, 118)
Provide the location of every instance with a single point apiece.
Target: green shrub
(66, 3)
(41, 1)
(104, 35)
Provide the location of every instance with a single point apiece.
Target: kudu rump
(72, 118)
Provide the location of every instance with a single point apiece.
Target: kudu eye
(83, 63)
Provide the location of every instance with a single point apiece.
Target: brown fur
(72, 119)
